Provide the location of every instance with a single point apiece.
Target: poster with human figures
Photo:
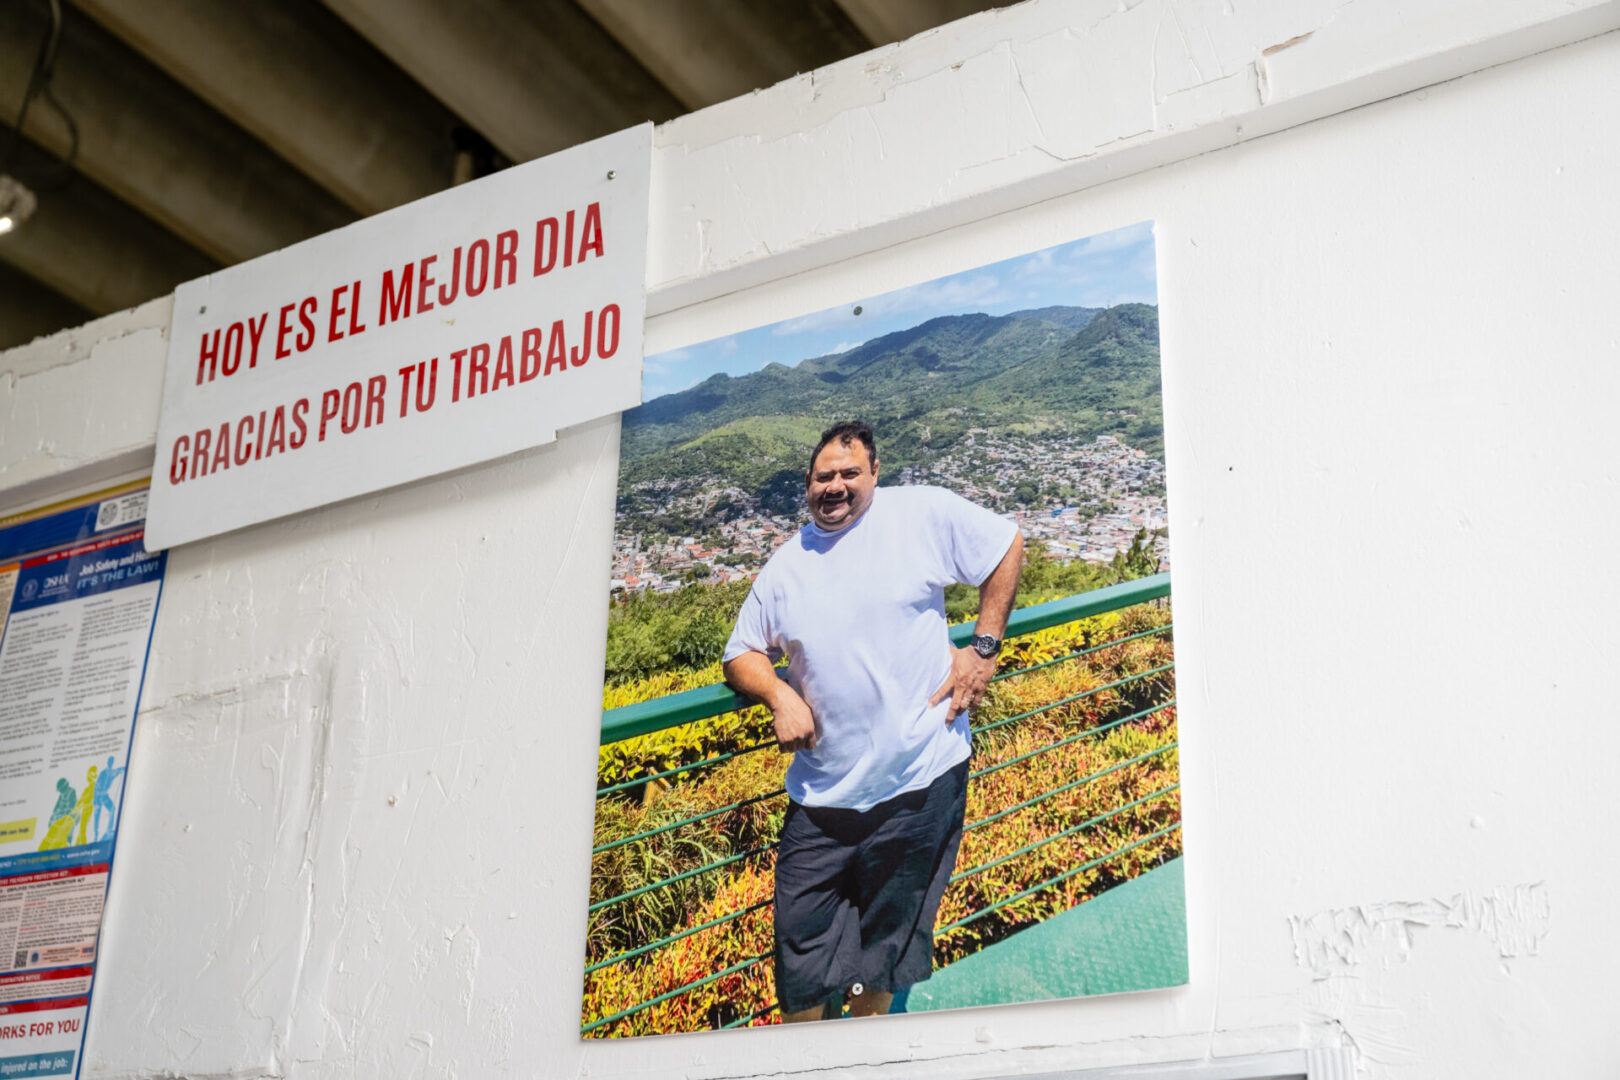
(889, 718)
(78, 595)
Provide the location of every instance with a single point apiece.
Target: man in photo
(875, 711)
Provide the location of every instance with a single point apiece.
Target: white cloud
(1129, 236)
(664, 361)
(1038, 264)
(957, 293)
(960, 292)
(818, 320)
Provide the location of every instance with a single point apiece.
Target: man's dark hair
(844, 433)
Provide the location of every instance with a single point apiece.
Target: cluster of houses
(1090, 498)
(661, 564)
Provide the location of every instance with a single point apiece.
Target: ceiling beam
(90, 247)
(29, 309)
(886, 21)
(532, 76)
(157, 146)
(707, 51)
(305, 84)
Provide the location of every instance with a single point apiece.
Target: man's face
(840, 485)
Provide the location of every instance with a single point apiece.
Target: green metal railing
(644, 718)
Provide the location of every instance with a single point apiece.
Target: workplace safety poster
(78, 592)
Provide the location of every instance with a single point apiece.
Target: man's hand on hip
(795, 726)
(965, 685)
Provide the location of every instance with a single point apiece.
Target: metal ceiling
(199, 133)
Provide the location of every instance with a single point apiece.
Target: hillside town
(1082, 499)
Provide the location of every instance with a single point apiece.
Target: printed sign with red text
(459, 328)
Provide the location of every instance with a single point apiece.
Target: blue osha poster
(78, 593)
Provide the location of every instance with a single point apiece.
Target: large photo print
(889, 714)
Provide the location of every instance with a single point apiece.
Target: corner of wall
(80, 406)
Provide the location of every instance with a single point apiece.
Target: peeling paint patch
(1333, 942)
(1295, 40)
(1262, 71)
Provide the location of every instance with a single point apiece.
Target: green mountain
(1060, 370)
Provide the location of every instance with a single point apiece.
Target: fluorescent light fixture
(16, 203)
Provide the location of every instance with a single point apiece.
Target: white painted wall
(359, 801)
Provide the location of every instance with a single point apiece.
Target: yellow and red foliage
(1135, 757)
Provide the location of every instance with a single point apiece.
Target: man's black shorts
(857, 892)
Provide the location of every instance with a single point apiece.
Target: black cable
(39, 85)
(65, 165)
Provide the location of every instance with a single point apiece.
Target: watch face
(986, 646)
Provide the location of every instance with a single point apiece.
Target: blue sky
(1098, 271)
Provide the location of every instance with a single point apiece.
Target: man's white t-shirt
(860, 615)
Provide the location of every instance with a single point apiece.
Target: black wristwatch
(986, 645)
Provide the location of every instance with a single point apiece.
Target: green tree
(1044, 577)
(649, 633)
(1137, 561)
